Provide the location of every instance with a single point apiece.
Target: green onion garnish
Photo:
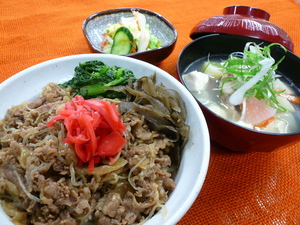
(253, 74)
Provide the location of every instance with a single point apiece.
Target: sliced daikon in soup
(210, 97)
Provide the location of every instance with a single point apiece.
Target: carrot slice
(265, 122)
(93, 127)
(257, 111)
(291, 98)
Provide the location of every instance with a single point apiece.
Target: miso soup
(208, 91)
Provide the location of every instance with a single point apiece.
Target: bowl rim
(127, 9)
(194, 190)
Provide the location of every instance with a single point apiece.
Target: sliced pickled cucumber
(123, 40)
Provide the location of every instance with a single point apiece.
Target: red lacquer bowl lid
(245, 21)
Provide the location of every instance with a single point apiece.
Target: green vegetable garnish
(131, 35)
(123, 40)
(252, 73)
(94, 78)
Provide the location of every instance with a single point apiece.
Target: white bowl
(27, 85)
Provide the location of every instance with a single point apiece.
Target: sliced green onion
(253, 74)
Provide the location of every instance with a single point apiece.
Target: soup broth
(210, 98)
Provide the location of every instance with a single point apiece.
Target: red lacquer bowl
(244, 21)
(224, 133)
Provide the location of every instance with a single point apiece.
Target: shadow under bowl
(94, 26)
(223, 132)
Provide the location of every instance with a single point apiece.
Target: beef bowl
(216, 69)
(109, 157)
